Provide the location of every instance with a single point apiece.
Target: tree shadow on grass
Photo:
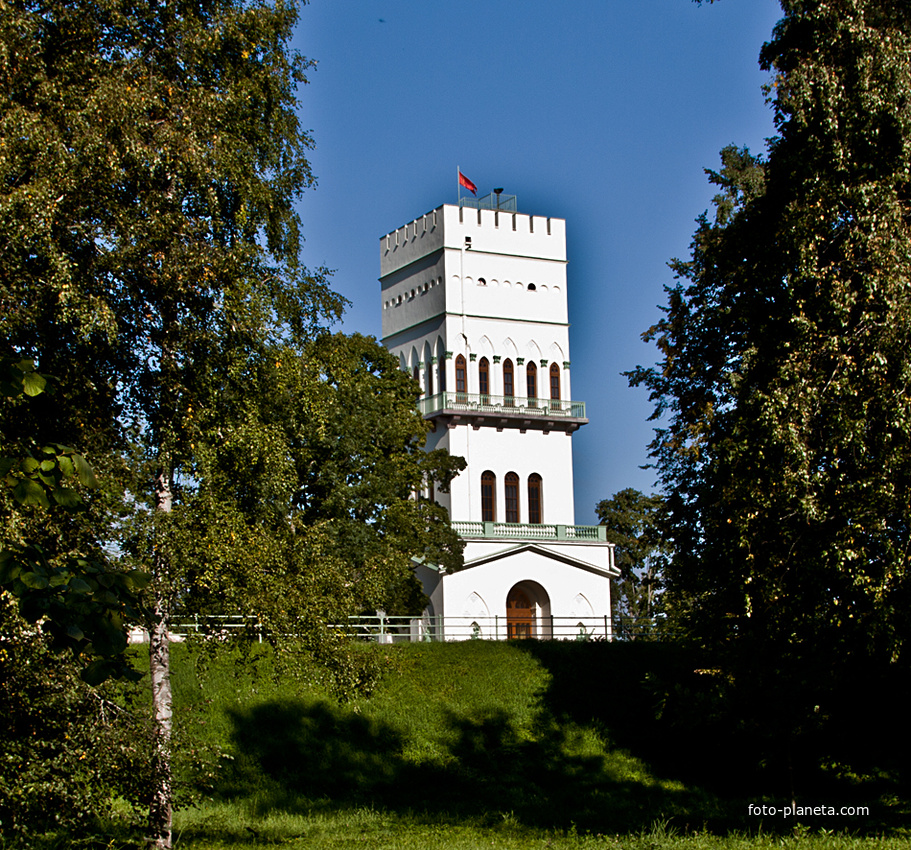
(301, 757)
(292, 749)
(659, 701)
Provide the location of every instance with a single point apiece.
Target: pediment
(545, 552)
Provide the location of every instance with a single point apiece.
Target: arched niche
(476, 616)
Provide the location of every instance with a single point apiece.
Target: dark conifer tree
(786, 361)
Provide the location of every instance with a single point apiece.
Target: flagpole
(459, 182)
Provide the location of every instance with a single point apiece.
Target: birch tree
(150, 158)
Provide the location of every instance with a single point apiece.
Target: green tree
(631, 518)
(82, 601)
(786, 358)
(306, 509)
(150, 162)
(149, 258)
(67, 749)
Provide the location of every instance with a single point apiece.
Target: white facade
(474, 306)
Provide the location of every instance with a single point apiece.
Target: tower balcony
(528, 531)
(515, 412)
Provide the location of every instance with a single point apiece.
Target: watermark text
(807, 811)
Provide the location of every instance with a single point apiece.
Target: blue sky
(601, 112)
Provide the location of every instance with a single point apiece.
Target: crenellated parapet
(498, 231)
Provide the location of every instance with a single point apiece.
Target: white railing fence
(386, 629)
(389, 629)
(531, 531)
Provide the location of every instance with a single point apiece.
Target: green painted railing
(539, 408)
(528, 531)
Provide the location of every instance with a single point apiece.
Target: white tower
(474, 306)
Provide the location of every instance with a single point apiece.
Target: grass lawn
(465, 745)
(484, 745)
(222, 827)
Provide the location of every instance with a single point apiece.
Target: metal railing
(182, 626)
(529, 531)
(493, 201)
(426, 628)
(387, 629)
(478, 403)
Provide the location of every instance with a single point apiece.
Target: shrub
(67, 750)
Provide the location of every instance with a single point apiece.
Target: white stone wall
(506, 293)
(562, 583)
(549, 455)
(597, 555)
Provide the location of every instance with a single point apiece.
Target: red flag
(464, 181)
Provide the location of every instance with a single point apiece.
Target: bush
(67, 750)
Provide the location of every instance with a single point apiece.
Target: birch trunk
(160, 811)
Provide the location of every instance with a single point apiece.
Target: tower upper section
(474, 306)
(476, 263)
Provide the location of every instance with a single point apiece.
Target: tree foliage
(640, 554)
(65, 748)
(305, 510)
(786, 360)
(82, 601)
(150, 160)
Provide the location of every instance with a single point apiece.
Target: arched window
(554, 385)
(534, 499)
(509, 383)
(484, 379)
(511, 483)
(461, 379)
(428, 378)
(531, 382)
(488, 497)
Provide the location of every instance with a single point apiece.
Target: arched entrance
(528, 611)
(520, 617)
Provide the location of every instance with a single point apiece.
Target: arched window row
(508, 370)
(512, 498)
(433, 372)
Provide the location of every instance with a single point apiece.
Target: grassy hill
(475, 744)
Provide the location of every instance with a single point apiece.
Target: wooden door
(520, 622)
